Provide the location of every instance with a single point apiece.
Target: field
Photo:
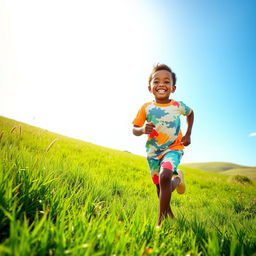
(225, 168)
(61, 196)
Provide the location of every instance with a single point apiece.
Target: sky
(80, 68)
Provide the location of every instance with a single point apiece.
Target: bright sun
(73, 66)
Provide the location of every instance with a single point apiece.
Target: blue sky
(211, 47)
(83, 71)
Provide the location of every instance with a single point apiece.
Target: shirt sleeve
(141, 116)
(184, 109)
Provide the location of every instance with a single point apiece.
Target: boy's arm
(137, 131)
(186, 139)
(147, 129)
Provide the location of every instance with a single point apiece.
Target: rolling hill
(224, 168)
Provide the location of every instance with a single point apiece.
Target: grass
(249, 172)
(225, 168)
(61, 196)
(214, 166)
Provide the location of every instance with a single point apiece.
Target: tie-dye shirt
(166, 135)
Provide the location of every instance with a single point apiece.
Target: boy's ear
(173, 89)
(149, 88)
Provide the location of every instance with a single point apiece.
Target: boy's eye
(167, 82)
(156, 82)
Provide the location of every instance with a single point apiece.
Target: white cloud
(252, 134)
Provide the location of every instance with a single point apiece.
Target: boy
(165, 142)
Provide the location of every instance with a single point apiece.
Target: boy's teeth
(161, 91)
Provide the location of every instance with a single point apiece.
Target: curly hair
(159, 67)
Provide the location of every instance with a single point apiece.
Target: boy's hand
(149, 127)
(186, 140)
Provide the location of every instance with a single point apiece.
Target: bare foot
(181, 188)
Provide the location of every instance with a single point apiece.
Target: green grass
(214, 166)
(225, 168)
(81, 199)
(249, 172)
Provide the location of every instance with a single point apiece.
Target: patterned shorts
(170, 161)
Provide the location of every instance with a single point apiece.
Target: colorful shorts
(170, 161)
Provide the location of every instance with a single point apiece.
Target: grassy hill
(61, 196)
(249, 172)
(225, 168)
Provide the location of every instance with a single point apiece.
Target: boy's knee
(165, 175)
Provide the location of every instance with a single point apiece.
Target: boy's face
(161, 85)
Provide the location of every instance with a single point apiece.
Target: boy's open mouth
(161, 90)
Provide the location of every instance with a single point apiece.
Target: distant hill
(224, 168)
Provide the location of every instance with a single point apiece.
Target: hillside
(61, 196)
(224, 168)
(250, 172)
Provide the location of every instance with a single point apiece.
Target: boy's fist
(148, 129)
(186, 140)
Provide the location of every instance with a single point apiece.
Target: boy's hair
(159, 67)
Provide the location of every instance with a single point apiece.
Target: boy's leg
(169, 166)
(175, 182)
(174, 158)
(165, 194)
(181, 188)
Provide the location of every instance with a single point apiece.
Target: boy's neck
(163, 101)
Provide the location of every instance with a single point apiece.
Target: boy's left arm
(186, 139)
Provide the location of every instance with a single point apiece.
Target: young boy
(165, 142)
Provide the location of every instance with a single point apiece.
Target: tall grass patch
(61, 196)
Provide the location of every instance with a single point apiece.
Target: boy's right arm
(138, 131)
(147, 129)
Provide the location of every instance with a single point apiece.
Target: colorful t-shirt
(166, 135)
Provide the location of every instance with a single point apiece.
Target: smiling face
(162, 86)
